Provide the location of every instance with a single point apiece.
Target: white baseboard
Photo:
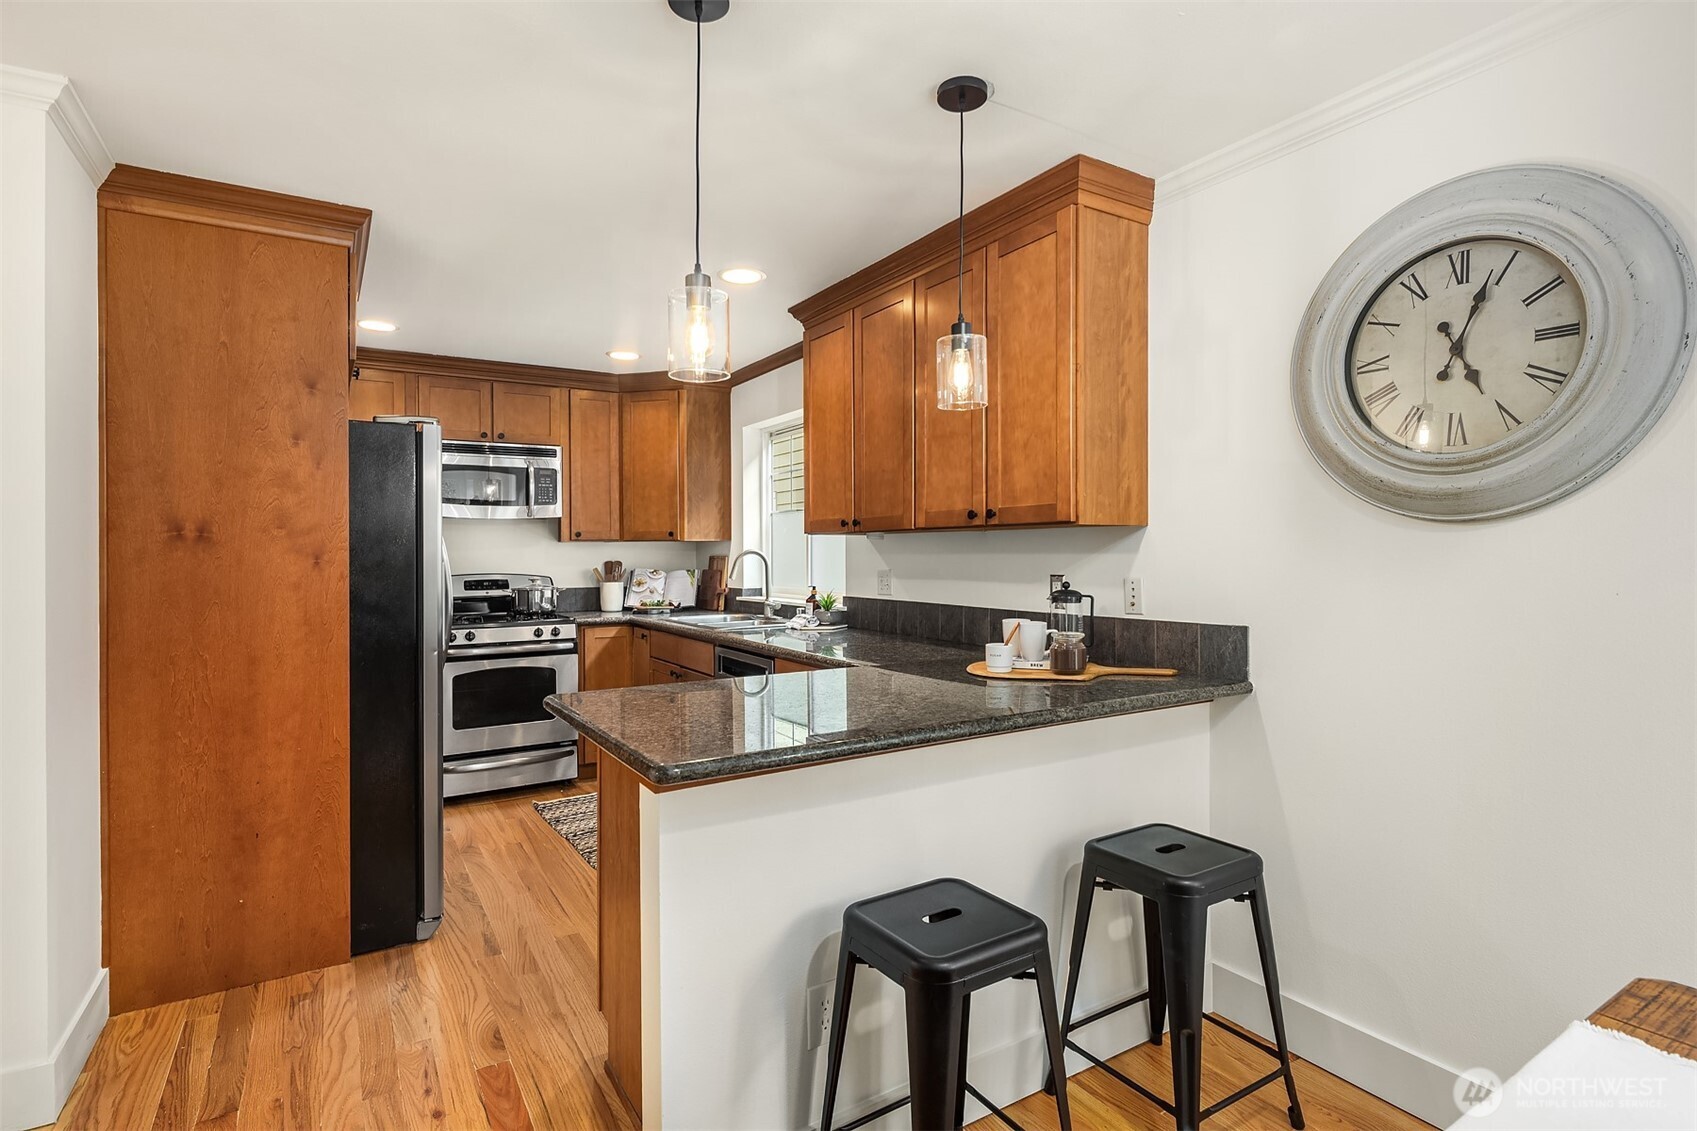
(1370, 1062)
(33, 1094)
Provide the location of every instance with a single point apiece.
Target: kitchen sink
(731, 622)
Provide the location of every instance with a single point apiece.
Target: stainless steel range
(497, 669)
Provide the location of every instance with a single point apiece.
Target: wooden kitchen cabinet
(462, 405)
(379, 392)
(604, 657)
(593, 467)
(883, 412)
(948, 444)
(785, 667)
(1029, 448)
(827, 399)
(640, 656)
(527, 414)
(675, 473)
(1057, 280)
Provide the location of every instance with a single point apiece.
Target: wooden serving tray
(1090, 672)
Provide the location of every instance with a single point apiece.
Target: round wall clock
(1494, 343)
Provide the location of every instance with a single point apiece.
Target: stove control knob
(555, 631)
(453, 636)
(470, 636)
(538, 632)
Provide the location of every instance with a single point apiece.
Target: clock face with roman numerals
(1466, 344)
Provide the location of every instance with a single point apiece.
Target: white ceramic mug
(998, 657)
(1010, 632)
(612, 596)
(1033, 640)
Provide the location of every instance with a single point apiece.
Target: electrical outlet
(1133, 596)
(816, 1027)
(885, 584)
(1055, 580)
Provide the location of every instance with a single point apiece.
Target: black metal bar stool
(1180, 875)
(941, 941)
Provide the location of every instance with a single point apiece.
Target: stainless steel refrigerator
(398, 610)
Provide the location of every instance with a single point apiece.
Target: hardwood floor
(1100, 1103)
(493, 1024)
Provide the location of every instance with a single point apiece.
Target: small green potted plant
(831, 609)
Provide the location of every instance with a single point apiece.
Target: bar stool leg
(1275, 1003)
(839, 1030)
(1184, 935)
(1157, 978)
(1054, 1036)
(1075, 957)
(936, 1056)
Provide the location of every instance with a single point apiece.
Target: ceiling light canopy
(698, 344)
(377, 325)
(624, 355)
(742, 276)
(962, 356)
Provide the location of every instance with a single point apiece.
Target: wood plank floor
(493, 1025)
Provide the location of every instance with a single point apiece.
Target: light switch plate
(885, 585)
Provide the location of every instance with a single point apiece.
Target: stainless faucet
(771, 603)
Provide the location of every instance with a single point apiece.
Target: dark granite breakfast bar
(876, 692)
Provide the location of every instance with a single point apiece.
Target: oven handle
(530, 757)
(482, 652)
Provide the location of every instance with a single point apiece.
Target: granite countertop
(883, 692)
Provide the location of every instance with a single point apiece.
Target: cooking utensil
(1091, 671)
(535, 599)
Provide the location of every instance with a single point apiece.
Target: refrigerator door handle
(436, 596)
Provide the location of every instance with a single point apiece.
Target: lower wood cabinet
(640, 655)
(784, 667)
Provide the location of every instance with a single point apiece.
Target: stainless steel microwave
(500, 480)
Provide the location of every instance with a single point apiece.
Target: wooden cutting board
(1090, 672)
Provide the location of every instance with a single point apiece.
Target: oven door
(494, 702)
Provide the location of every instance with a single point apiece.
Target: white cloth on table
(1593, 1079)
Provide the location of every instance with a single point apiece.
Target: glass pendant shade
(961, 369)
(698, 349)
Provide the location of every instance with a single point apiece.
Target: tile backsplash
(1218, 649)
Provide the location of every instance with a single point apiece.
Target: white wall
(534, 546)
(1471, 756)
(53, 998)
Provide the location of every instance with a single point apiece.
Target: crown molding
(1467, 57)
(57, 98)
(442, 365)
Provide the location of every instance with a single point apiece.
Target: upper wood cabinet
(1030, 434)
(462, 405)
(883, 412)
(1057, 280)
(527, 414)
(594, 471)
(948, 444)
(675, 479)
(379, 392)
(827, 398)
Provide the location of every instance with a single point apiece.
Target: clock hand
(1467, 369)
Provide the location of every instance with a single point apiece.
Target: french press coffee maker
(1069, 628)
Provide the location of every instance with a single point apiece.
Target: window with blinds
(788, 487)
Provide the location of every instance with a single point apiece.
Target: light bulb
(700, 333)
(960, 373)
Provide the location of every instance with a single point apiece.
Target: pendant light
(961, 363)
(698, 345)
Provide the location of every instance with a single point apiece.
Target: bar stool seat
(1180, 874)
(941, 941)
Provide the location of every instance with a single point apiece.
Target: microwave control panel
(547, 488)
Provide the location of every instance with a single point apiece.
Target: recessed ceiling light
(623, 355)
(377, 325)
(742, 275)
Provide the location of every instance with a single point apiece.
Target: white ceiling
(529, 164)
